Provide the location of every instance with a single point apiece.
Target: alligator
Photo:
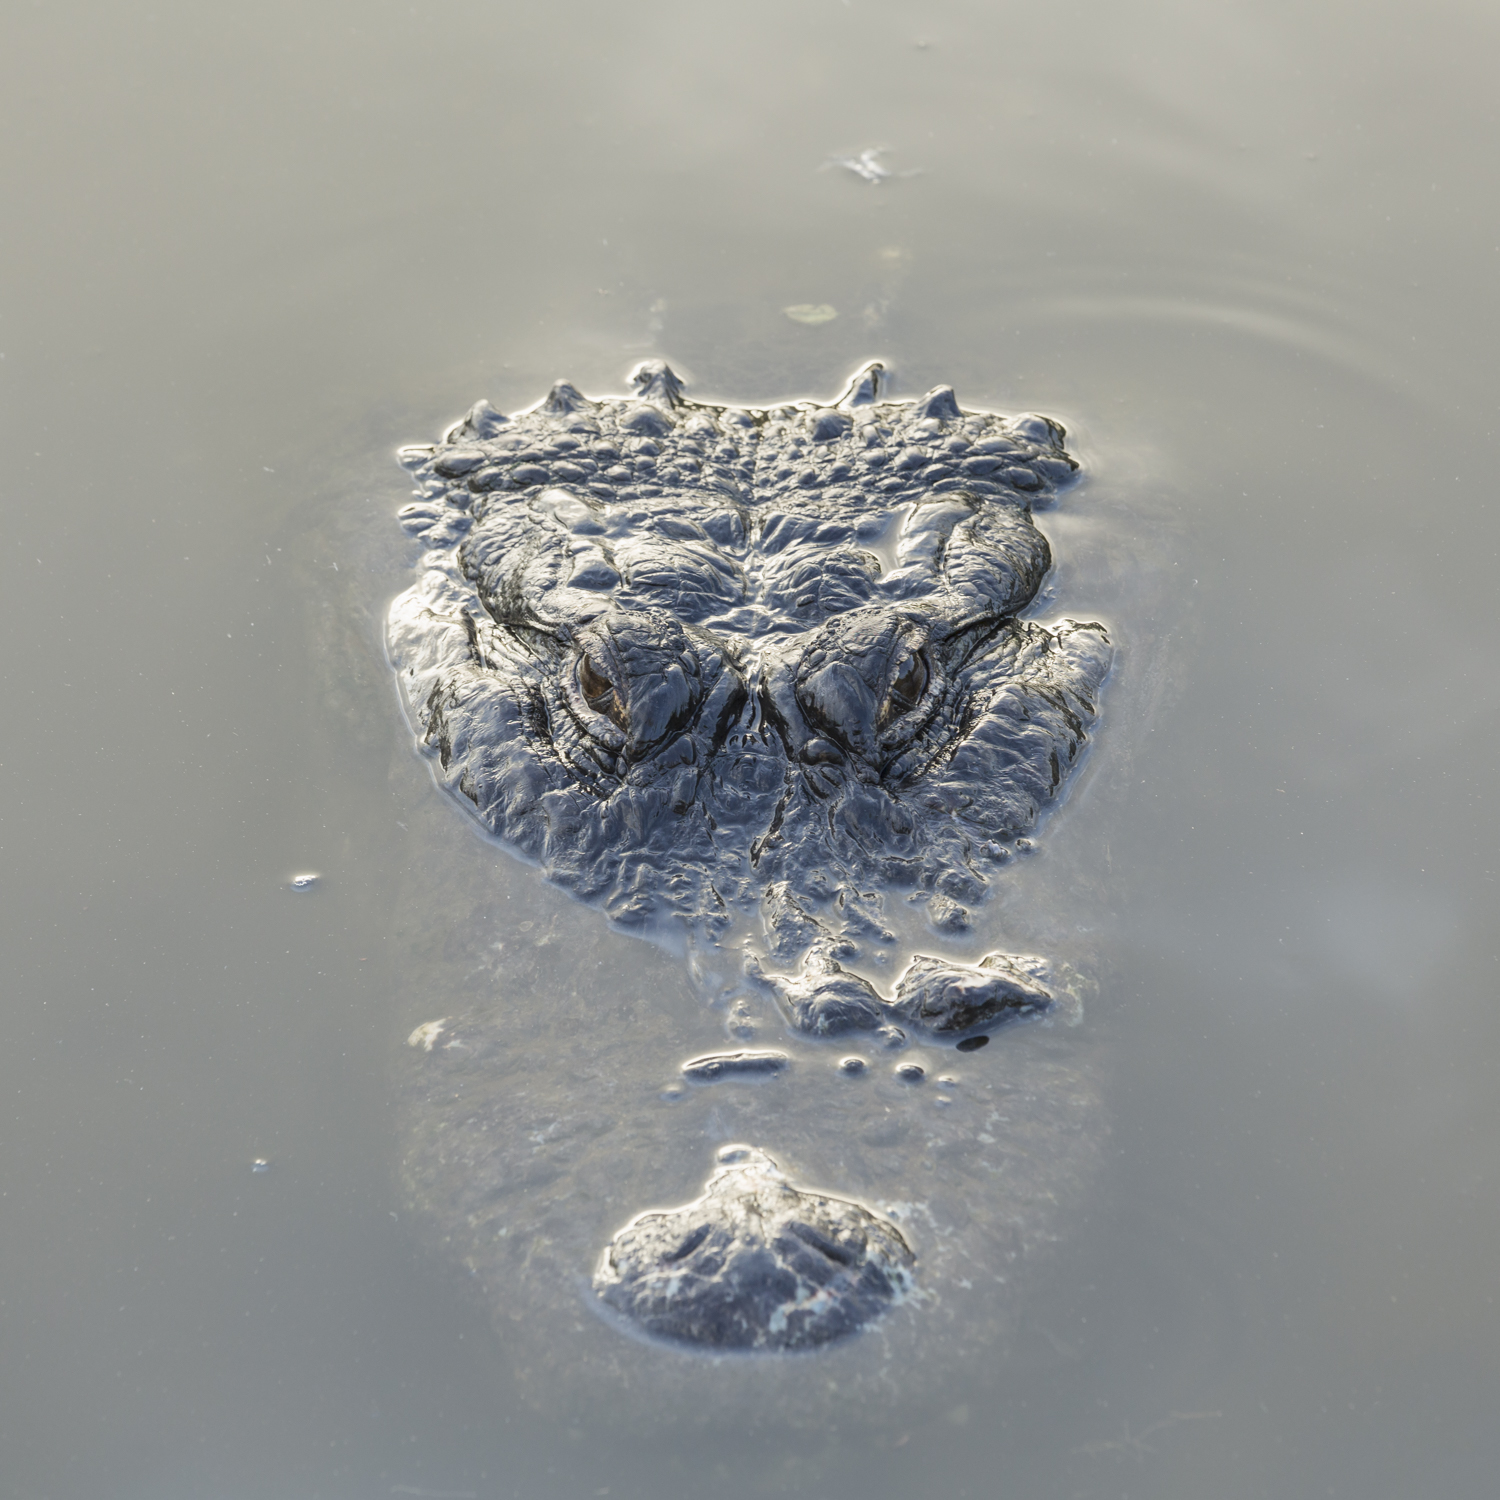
(759, 681)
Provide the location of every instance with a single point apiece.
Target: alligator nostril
(822, 753)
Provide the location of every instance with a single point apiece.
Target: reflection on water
(1244, 256)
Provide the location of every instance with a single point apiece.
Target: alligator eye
(906, 690)
(601, 694)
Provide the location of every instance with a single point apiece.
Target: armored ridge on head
(752, 520)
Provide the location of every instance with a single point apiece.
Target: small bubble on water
(851, 1065)
(260, 1164)
(910, 1072)
(305, 881)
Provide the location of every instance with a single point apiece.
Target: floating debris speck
(304, 882)
(866, 165)
(759, 1063)
(424, 1038)
(811, 312)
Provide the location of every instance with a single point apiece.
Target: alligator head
(699, 661)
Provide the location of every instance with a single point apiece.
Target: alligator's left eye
(601, 694)
(906, 690)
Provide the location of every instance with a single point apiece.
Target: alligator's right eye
(906, 690)
(601, 694)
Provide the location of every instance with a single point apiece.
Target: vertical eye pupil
(912, 680)
(593, 682)
(906, 689)
(600, 693)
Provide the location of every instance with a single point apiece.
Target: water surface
(1246, 253)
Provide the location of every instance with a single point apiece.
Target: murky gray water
(1248, 254)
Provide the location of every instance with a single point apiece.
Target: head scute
(483, 422)
(655, 380)
(940, 403)
(564, 399)
(864, 385)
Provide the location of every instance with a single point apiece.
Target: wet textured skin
(702, 663)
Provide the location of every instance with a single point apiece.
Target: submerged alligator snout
(754, 672)
(755, 1263)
